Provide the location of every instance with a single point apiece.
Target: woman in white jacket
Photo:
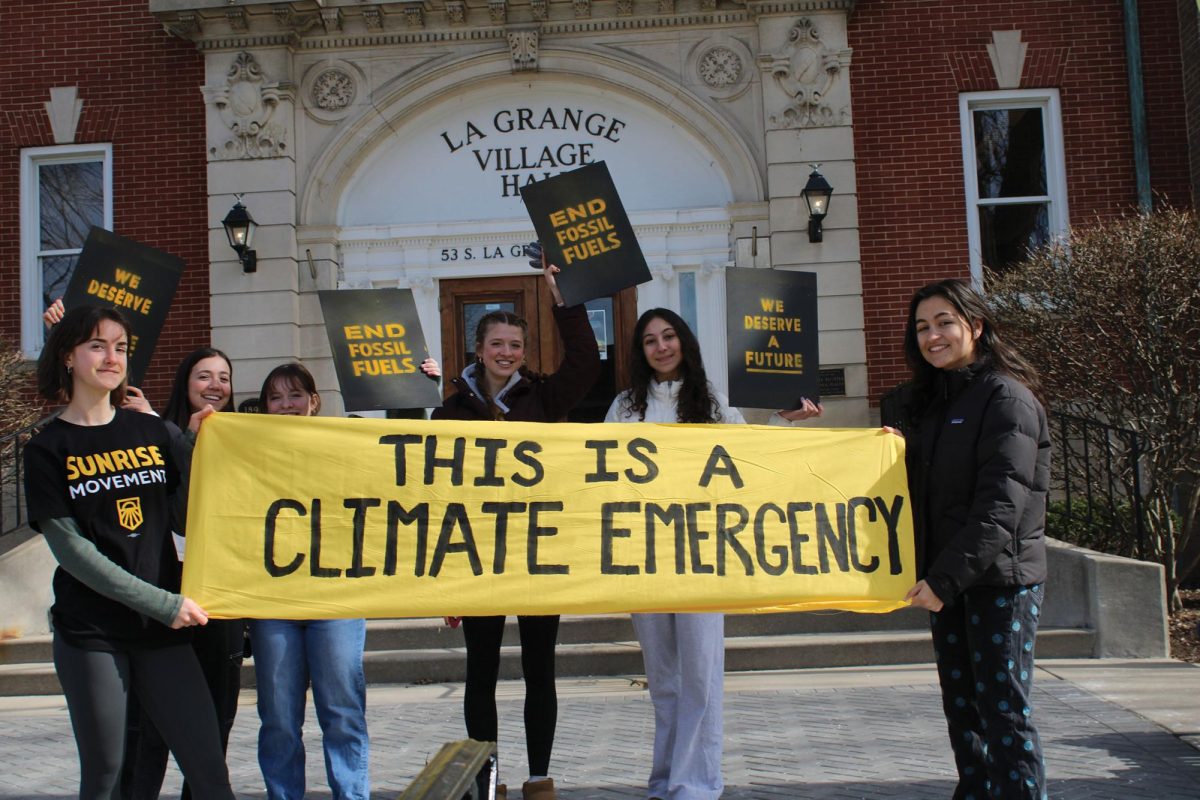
(684, 654)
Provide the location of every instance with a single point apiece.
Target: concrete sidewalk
(1111, 729)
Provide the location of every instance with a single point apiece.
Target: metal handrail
(12, 483)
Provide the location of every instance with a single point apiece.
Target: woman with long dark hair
(684, 654)
(978, 457)
(497, 386)
(203, 378)
(98, 485)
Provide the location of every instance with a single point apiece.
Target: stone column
(805, 63)
(256, 317)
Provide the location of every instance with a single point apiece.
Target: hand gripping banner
(318, 518)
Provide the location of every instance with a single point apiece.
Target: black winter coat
(978, 474)
(536, 397)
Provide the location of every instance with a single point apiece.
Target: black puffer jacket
(535, 397)
(978, 473)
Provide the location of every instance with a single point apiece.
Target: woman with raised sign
(498, 387)
(978, 460)
(684, 654)
(289, 655)
(98, 485)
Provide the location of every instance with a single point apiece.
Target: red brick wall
(911, 61)
(1189, 25)
(140, 92)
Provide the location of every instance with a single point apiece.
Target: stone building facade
(381, 144)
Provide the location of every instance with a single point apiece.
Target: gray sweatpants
(684, 656)
(169, 685)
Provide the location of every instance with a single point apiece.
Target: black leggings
(170, 687)
(219, 646)
(538, 636)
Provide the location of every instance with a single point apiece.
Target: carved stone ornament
(540, 9)
(583, 9)
(246, 104)
(498, 11)
(524, 48)
(720, 68)
(373, 18)
(456, 12)
(333, 90)
(624, 8)
(414, 15)
(806, 70)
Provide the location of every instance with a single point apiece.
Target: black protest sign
(138, 281)
(773, 350)
(378, 348)
(585, 231)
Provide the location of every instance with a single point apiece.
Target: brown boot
(539, 790)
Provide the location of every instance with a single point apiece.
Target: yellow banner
(316, 518)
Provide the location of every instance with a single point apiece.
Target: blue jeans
(288, 654)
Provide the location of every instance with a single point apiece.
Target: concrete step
(432, 633)
(623, 657)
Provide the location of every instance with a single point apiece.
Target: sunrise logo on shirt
(129, 513)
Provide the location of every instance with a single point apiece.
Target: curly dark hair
(179, 410)
(696, 402)
(971, 306)
(54, 382)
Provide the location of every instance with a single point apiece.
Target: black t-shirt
(114, 480)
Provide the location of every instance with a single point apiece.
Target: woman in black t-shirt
(98, 483)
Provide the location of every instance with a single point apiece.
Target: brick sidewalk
(784, 738)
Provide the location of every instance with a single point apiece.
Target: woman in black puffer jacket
(978, 459)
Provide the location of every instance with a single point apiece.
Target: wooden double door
(464, 302)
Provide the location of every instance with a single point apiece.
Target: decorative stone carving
(373, 18)
(1007, 52)
(456, 11)
(720, 68)
(663, 272)
(708, 5)
(583, 9)
(333, 90)
(414, 15)
(237, 19)
(331, 18)
(806, 70)
(498, 11)
(286, 17)
(624, 8)
(523, 44)
(246, 104)
(185, 26)
(666, 6)
(541, 9)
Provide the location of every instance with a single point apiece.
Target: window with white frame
(65, 191)
(1016, 184)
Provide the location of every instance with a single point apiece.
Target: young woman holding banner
(98, 485)
(978, 460)
(291, 654)
(684, 654)
(497, 387)
(203, 378)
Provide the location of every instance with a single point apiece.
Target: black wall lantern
(239, 227)
(816, 194)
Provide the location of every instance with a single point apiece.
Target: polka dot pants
(984, 650)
